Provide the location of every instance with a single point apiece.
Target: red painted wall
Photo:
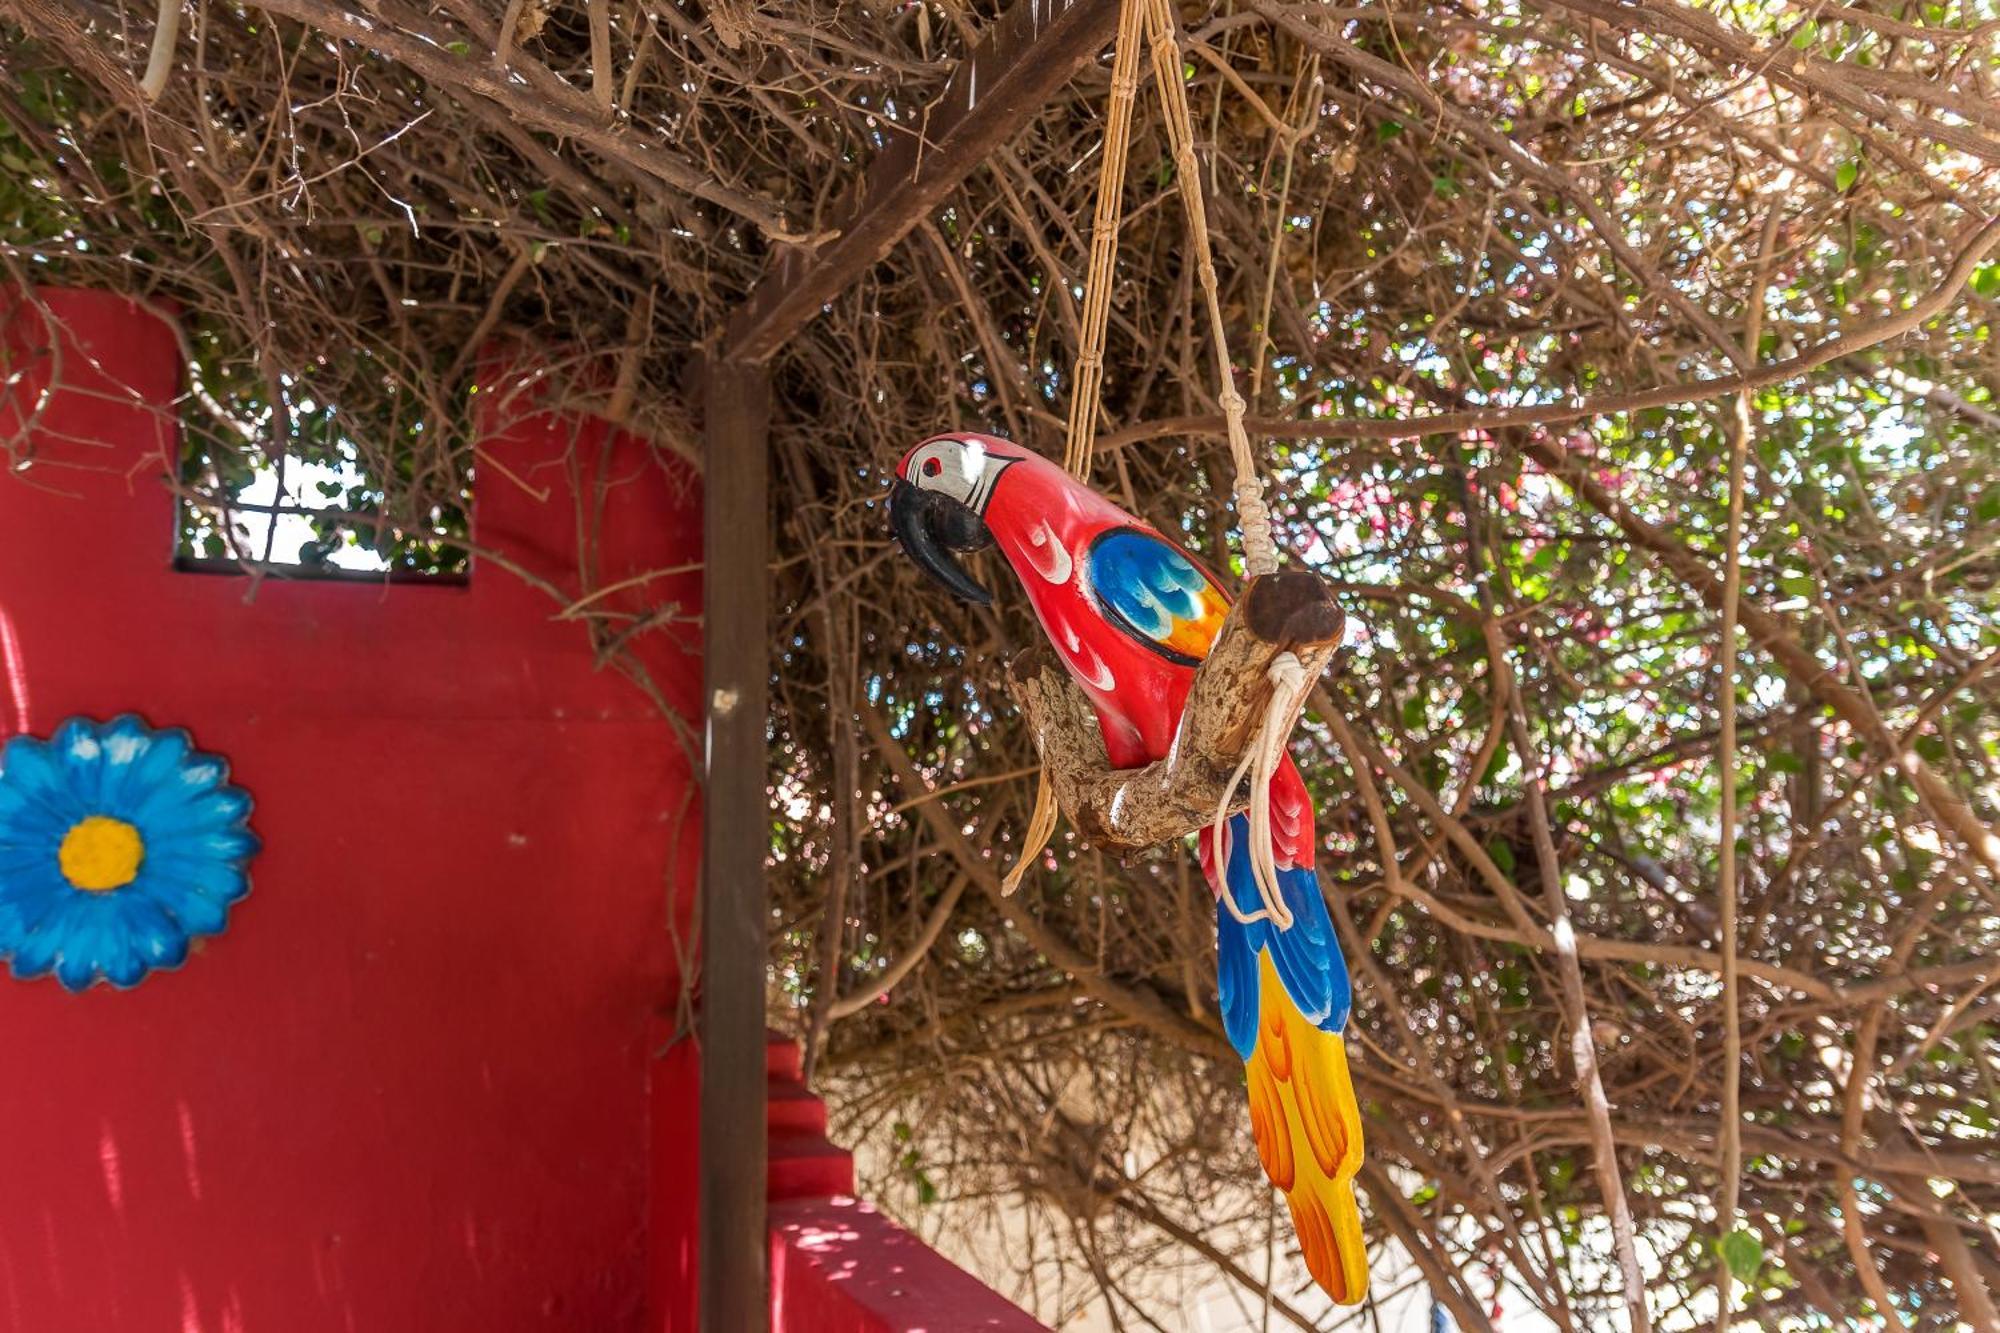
(406, 1090)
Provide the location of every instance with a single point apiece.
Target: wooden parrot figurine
(1130, 615)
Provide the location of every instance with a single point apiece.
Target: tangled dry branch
(1498, 302)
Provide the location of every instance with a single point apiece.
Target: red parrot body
(1130, 615)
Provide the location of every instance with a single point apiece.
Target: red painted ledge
(840, 1266)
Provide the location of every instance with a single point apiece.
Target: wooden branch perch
(1124, 810)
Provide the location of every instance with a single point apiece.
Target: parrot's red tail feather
(1308, 1131)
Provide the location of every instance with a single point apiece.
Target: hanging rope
(1289, 682)
(1087, 379)
(1260, 551)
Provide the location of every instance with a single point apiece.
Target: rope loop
(1289, 685)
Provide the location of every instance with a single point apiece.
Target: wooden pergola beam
(1031, 53)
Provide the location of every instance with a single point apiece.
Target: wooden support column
(1026, 57)
(736, 645)
(1032, 51)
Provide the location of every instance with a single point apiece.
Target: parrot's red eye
(932, 467)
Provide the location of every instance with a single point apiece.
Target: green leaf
(1849, 172)
(459, 48)
(1744, 1254)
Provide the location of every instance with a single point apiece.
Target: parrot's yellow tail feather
(1308, 1132)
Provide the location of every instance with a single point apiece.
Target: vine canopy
(1517, 288)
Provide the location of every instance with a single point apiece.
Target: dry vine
(1591, 247)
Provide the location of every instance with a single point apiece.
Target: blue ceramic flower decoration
(119, 844)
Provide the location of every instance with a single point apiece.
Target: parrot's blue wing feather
(1307, 956)
(1236, 980)
(1150, 589)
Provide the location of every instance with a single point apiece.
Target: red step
(793, 1109)
(783, 1058)
(806, 1166)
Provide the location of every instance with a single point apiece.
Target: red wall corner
(407, 1088)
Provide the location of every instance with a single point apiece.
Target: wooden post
(736, 645)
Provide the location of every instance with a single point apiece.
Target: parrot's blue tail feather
(1307, 956)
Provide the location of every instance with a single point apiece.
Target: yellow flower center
(100, 853)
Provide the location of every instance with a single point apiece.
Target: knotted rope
(1289, 681)
(1289, 686)
(1087, 380)
(1260, 552)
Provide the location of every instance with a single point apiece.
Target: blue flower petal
(211, 813)
(26, 900)
(32, 770)
(80, 753)
(231, 845)
(76, 969)
(194, 778)
(197, 893)
(139, 937)
(160, 940)
(42, 945)
(17, 806)
(97, 941)
(27, 854)
(94, 942)
(127, 746)
(160, 763)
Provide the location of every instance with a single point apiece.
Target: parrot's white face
(961, 470)
(938, 505)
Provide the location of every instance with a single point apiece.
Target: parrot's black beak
(935, 529)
